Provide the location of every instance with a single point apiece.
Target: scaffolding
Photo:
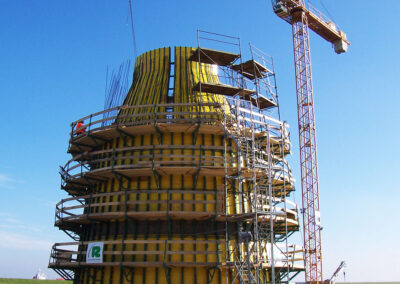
(250, 124)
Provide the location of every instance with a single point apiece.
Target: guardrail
(323, 17)
(147, 114)
(143, 202)
(172, 113)
(293, 257)
(118, 159)
(147, 156)
(161, 253)
(290, 257)
(147, 203)
(141, 253)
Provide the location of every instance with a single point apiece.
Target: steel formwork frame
(308, 149)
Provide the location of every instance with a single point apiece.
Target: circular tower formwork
(185, 182)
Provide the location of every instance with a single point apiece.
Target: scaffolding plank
(211, 56)
(252, 69)
(263, 102)
(222, 89)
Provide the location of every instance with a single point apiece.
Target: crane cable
(133, 31)
(330, 17)
(326, 10)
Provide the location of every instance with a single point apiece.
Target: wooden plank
(252, 69)
(221, 89)
(260, 101)
(211, 56)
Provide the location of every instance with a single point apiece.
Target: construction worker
(78, 128)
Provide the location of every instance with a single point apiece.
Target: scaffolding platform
(222, 89)
(211, 56)
(252, 69)
(261, 102)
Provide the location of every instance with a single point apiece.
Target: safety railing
(159, 253)
(147, 115)
(147, 156)
(291, 258)
(78, 169)
(179, 204)
(174, 203)
(168, 113)
(296, 256)
(141, 253)
(278, 213)
(279, 206)
(247, 117)
(323, 17)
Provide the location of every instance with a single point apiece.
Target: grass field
(31, 281)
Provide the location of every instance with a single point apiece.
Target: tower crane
(302, 17)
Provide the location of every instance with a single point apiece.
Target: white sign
(318, 218)
(94, 253)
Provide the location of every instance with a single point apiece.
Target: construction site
(183, 178)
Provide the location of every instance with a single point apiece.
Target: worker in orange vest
(79, 129)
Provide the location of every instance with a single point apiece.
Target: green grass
(31, 281)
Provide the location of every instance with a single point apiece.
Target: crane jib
(291, 11)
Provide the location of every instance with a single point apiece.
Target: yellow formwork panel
(186, 253)
(187, 74)
(150, 81)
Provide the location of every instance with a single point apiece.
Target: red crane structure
(303, 17)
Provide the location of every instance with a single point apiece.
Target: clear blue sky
(53, 61)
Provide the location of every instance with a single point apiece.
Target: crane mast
(301, 19)
(308, 150)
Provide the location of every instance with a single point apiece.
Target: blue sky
(53, 61)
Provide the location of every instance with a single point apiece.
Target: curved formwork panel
(171, 186)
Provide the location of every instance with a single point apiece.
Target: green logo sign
(94, 252)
